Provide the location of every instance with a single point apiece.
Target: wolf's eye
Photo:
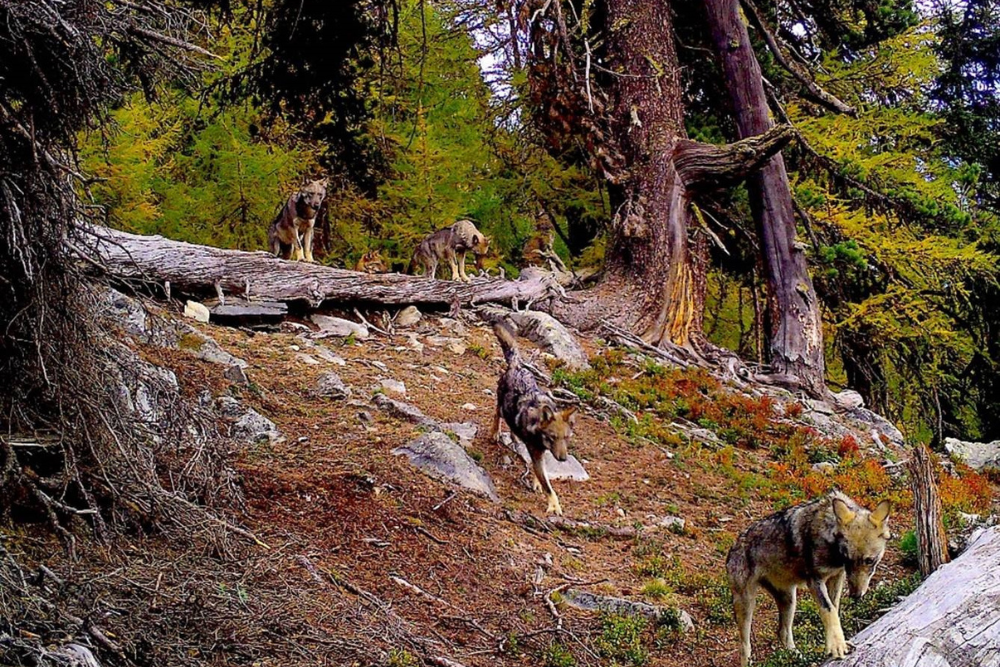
(869, 561)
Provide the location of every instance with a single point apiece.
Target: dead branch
(705, 166)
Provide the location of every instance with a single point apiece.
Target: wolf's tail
(507, 342)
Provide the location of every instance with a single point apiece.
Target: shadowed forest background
(431, 117)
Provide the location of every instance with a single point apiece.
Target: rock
(848, 400)
(235, 373)
(196, 311)
(881, 424)
(570, 469)
(294, 327)
(822, 407)
(612, 605)
(306, 359)
(394, 386)
(976, 455)
(329, 385)
(236, 312)
(466, 431)
(471, 407)
(413, 343)
(327, 355)
(453, 326)
(255, 428)
(130, 313)
(671, 523)
(365, 417)
(457, 347)
(401, 410)
(336, 326)
(437, 456)
(408, 317)
(204, 398)
(205, 348)
(825, 467)
(549, 333)
(684, 622)
(227, 406)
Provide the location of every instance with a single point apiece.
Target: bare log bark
(703, 166)
(952, 620)
(795, 336)
(197, 269)
(932, 542)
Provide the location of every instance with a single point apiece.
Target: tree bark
(932, 542)
(952, 620)
(197, 269)
(795, 337)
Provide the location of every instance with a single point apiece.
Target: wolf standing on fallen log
(293, 228)
(450, 244)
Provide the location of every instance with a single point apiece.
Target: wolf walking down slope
(451, 245)
(531, 415)
(819, 544)
(293, 229)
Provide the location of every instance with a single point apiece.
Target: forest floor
(353, 531)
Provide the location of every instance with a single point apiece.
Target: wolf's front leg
(543, 480)
(836, 645)
(297, 254)
(495, 426)
(461, 268)
(307, 242)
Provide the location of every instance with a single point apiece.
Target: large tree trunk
(795, 336)
(952, 620)
(649, 285)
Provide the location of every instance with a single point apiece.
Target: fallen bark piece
(951, 620)
(578, 599)
(249, 312)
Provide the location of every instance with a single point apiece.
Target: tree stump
(932, 543)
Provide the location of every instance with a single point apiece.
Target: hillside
(365, 560)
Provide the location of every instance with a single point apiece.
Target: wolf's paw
(836, 648)
(536, 486)
(554, 506)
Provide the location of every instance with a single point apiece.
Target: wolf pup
(371, 262)
(450, 244)
(531, 415)
(819, 544)
(293, 228)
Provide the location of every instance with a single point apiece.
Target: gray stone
(439, 457)
(227, 406)
(570, 469)
(466, 431)
(408, 317)
(458, 347)
(881, 424)
(196, 311)
(395, 386)
(327, 355)
(824, 466)
(337, 326)
(822, 407)
(549, 333)
(235, 373)
(205, 348)
(976, 455)
(401, 410)
(255, 428)
(441, 341)
(306, 359)
(330, 385)
(848, 400)
(673, 523)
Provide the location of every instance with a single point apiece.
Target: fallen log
(197, 269)
(952, 620)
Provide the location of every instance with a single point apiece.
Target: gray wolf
(371, 262)
(531, 415)
(450, 244)
(819, 545)
(293, 228)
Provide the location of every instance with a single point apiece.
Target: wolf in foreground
(819, 545)
(531, 415)
(293, 228)
(450, 244)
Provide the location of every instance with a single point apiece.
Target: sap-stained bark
(952, 620)
(795, 336)
(197, 269)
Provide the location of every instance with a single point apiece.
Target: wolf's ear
(881, 513)
(843, 512)
(569, 414)
(547, 416)
(475, 239)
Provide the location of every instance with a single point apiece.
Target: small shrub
(557, 655)
(908, 547)
(657, 589)
(621, 639)
(399, 657)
